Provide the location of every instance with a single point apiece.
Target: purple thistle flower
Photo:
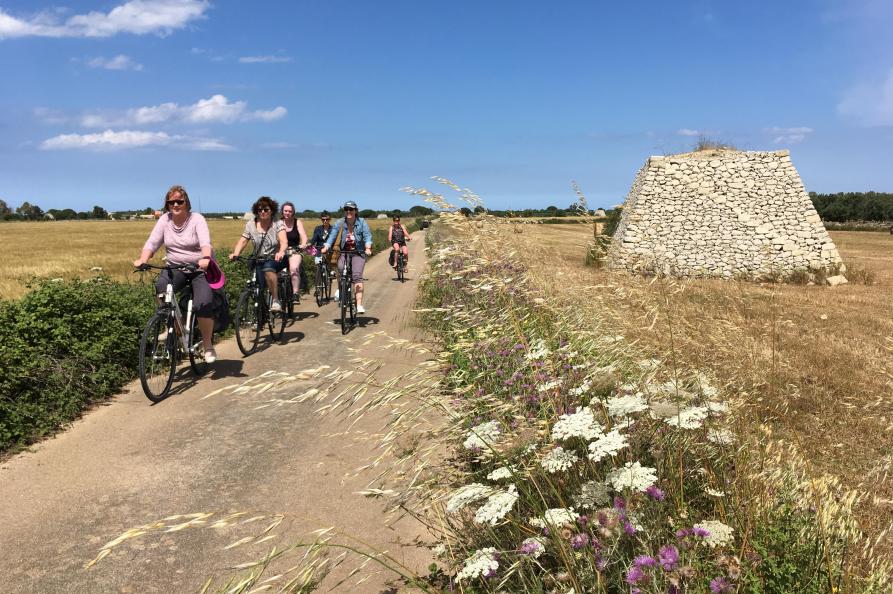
(656, 493)
(628, 527)
(619, 503)
(529, 548)
(702, 532)
(578, 541)
(682, 533)
(720, 585)
(644, 561)
(634, 574)
(668, 557)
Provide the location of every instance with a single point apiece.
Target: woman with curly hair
(268, 237)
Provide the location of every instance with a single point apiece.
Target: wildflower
(503, 472)
(607, 445)
(644, 561)
(578, 424)
(714, 492)
(722, 437)
(717, 408)
(581, 389)
(533, 546)
(632, 476)
(690, 418)
(467, 494)
(624, 406)
(668, 556)
(655, 493)
(482, 563)
(497, 506)
(550, 385)
(634, 574)
(482, 435)
(558, 459)
(558, 516)
(593, 494)
(718, 534)
(538, 350)
(579, 540)
(720, 585)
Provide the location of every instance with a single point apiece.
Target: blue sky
(111, 102)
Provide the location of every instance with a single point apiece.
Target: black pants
(202, 295)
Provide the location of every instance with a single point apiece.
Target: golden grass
(70, 249)
(813, 362)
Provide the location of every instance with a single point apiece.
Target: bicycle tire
(157, 361)
(353, 308)
(286, 293)
(400, 275)
(318, 289)
(327, 283)
(280, 317)
(247, 323)
(344, 296)
(197, 349)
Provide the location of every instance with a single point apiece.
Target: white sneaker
(361, 309)
(276, 306)
(337, 293)
(210, 356)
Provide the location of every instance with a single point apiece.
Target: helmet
(350, 204)
(215, 276)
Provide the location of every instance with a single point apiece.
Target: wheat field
(75, 249)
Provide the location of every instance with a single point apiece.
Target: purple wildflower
(634, 574)
(628, 527)
(619, 503)
(655, 493)
(702, 532)
(720, 585)
(668, 557)
(578, 541)
(682, 533)
(644, 561)
(530, 547)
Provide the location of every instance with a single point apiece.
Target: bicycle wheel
(318, 290)
(287, 294)
(247, 322)
(327, 282)
(196, 349)
(345, 297)
(353, 307)
(400, 275)
(157, 360)
(279, 318)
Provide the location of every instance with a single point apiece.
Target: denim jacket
(361, 231)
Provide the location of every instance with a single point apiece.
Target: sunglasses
(326, 219)
(264, 209)
(176, 202)
(349, 209)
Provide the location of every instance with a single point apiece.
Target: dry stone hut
(721, 213)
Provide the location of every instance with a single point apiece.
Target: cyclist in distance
(355, 235)
(268, 236)
(297, 240)
(186, 240)
(397, 237)
(321, 233)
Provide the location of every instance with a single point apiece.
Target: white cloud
(264, 59)
(215, 109)
(139, 17)
(789, 135)
(128, 139)
(871, 104)
(689, 132)
(119, 62)
(50, 116)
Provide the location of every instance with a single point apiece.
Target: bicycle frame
(185, 329)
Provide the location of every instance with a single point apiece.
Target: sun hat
(215, 276)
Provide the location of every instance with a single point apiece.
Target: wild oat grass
(74, 249)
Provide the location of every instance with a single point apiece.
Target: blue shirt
(361, 231)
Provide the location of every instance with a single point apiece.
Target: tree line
(854, 206)
(32, 212)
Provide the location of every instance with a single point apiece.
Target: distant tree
(148, 210)
(99, 213)
(83, 215)
(478, 209)
(419, 210)
(368, 213)
(465, 210)
(4, 208)
(30, 212)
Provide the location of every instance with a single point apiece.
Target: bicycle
(167, 336)
(322, 281)
(401, 266)
(253, 311)
(286, 291)
(346, 296)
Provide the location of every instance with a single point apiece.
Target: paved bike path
(252, 455)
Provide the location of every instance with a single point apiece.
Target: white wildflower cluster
(717, 408)
(538, 350)
(632, 476)
(689, 418)
(503, 472)
(592, 495)
(721, 437)
(482, 436)
(578, 424)
(481, 563)
(534, 546)
(549, 385)
(607, 445)
(714, 492)
(719, 535)
(497, 506)
(558, 516)
(581, 389)
(558, 459)
(467, 494)
(626, 405)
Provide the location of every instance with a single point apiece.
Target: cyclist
(186, 240)
(321, 233)
(355, 233)
(397, 237)
(268, 236)
(297, 240)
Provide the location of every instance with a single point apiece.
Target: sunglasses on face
(263, 209)
(176, 202)
(326, 219)
(349, 209)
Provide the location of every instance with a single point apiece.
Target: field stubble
(813, 362)
(74, 249)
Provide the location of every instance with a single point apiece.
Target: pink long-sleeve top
(183, 244)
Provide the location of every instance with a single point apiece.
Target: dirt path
(204, 451)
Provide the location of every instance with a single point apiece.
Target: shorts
(272, 265)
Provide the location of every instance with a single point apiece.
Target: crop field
(813, 363)
(75, 249)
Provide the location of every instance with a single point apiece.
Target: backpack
(220, 305)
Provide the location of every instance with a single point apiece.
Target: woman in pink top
(186, 239)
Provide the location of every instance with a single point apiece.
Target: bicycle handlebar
(180, 267)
